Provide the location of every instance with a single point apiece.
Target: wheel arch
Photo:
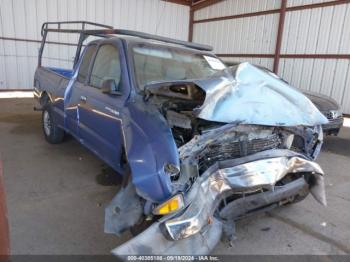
(45, 97)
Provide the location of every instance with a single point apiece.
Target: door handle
(83, 98)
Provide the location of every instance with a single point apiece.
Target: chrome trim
(153, 242)
(207, 191)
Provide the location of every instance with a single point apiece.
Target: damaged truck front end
(239, 144)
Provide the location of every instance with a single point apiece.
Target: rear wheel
(53, 134)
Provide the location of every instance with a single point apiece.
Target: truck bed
(54, 82)
(68, 73)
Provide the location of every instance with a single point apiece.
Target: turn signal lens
(173, 204)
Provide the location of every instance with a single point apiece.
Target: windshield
(158, 64)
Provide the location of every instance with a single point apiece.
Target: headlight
(175, 203)
(335, 114)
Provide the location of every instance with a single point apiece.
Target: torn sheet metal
(251, 203)
(220, 179)
(190, 152)
(196, 231)
(253, 103)
(152, 241)
(123, 211)
(266, 172)
(254, 96)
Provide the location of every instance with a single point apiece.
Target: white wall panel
(23, 19)
(304, 2)
(10, 52)
(317, 31)
(236, 7)
(244, 35)
(323, 30)
(2, 58)
(326, 76)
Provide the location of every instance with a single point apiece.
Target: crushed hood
(254, 96)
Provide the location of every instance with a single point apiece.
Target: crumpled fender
(148, 148)
(123, 211)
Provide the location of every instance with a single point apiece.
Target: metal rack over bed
(105, 31)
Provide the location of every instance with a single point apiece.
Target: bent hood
(254, 96)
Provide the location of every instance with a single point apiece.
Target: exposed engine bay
(235, 140)
(244, 145)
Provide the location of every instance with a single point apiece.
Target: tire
(299, 197)
(53, 134)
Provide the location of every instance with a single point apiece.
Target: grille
(330, 115)
(234, 149)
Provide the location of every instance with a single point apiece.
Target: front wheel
(53, 134)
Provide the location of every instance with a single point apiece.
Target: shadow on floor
(338, 144)
(108, 177)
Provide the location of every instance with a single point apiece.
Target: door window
(84, 66)
(106, 67)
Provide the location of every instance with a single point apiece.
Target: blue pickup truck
(197, 145)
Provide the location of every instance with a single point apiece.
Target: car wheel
(53, 134)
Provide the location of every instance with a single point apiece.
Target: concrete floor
(56, 206)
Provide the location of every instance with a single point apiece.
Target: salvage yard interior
(175, 127)
(56, 203)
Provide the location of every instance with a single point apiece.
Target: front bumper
(153, 241)
(333, 126)
(197, 230)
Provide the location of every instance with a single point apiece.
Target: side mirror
(109, 87)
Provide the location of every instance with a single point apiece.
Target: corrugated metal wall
(235, 7)
(318, 31)
(245, 35)
(23, 19)
(323, 30)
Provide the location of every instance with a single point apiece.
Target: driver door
(100, 112)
